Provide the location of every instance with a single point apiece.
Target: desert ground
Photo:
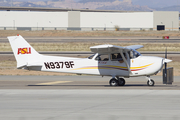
(47, 33)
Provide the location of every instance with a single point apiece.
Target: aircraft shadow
(130, 85)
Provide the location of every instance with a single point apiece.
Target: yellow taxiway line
(52, 83)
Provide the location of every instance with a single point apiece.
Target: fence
(76, 28)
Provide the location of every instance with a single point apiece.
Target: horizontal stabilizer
(34, 64)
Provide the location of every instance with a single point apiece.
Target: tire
(113, 82)
(150, 83)
(121, 82)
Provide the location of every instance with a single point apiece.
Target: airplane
(108, 60)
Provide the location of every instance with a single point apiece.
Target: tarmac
(81, 82)
(86, 98)
(102, 40)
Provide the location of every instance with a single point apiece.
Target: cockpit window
(102, 57)
(117, 56)
(90, 57)
(134, 54)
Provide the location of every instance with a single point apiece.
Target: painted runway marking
(52, 83)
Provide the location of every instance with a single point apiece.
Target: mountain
(171, 8)
(126, 8)
(126, 5)
(86, 1)
(156, 4)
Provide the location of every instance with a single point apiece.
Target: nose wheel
(117, 82)
(150, 81)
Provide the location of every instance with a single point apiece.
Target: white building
(76, 20)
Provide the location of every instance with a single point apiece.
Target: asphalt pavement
(146, 39)
(81, 82)
(87, 98)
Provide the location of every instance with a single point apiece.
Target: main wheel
(150, 83)
(113, 82)
(121, 82)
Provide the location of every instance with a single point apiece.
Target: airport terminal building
(78, 20)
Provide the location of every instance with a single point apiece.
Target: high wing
(116, 49)
(113, 48)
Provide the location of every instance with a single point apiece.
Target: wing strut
(125, 61)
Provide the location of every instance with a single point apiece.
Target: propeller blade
(165, 63)
(166, 53)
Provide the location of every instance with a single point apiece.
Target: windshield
(134, 54)
(90, 57)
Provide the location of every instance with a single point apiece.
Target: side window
(117, 57)
(102, 57)
(113, 57)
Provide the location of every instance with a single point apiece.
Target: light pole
(37, 25)
(14, 24)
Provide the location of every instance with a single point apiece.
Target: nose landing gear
(150, 81)
(117, 81)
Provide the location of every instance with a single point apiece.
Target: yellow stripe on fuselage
(130, 67)
(111, 67)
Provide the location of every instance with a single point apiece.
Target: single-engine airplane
(108, 60)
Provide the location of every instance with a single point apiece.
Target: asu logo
(24, 51)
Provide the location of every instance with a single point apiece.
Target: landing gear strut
(150, 81)
(117, 81)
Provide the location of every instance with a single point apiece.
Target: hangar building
(76, 20)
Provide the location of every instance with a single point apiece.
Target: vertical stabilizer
(23, 51)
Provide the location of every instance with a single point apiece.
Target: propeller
(165, 64)
(166, 53)
(167, 72)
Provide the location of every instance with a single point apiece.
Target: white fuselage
(140, 66)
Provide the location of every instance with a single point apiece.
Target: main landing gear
(150, 81)
(117, 81)
(121, 82)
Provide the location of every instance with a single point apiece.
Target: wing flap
(29, 65)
